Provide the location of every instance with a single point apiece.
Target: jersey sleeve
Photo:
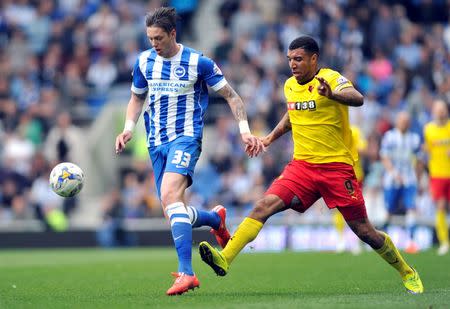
(139, 84)
(338, 82)
(210, 73)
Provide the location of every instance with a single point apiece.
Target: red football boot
(222, 234)
(182, 284)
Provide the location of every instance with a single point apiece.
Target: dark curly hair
(307, 43)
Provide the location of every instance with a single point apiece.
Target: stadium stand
(66, 57)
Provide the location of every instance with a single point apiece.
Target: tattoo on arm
(235, 102)
(282, 127)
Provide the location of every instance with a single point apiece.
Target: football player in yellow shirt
(322, 165)
(437, 144)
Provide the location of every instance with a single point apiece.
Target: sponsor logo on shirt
(170, 86)
(306, 105)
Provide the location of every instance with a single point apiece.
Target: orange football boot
(222, 234)
(182, 284)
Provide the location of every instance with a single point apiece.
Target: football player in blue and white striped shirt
(171, 80)
(399, 150)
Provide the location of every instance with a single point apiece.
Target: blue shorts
(179, 156)
(400, 196)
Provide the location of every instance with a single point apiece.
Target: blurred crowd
(60, 60)
(397, 55)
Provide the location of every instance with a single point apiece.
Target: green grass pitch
(138, 278)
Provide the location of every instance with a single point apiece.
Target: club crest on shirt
(179, 71)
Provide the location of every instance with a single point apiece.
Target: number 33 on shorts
(181, 159)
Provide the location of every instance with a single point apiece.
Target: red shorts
(440, 188)
(301, 184)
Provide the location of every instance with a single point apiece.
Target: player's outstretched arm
(134, 110)
(282, 127)
(253, 145)
(347, 96)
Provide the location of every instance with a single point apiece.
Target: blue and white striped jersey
(402, 150)
(177, 92)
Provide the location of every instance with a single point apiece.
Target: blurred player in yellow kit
(437, 144)
(317, 101)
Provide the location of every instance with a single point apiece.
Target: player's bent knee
(265, 208)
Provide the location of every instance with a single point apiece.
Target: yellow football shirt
(437, 143)
(320, 126)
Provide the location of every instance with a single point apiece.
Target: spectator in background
(73, 86)
(47, 205)
(246, 21)
(290, 28)
(18, 151)
(51, 71)
(380, 68)
(103, 26)
(65, 143)
(101, 74)
(132, 197)
(112, 232)
(17, 50)
(408, 52)
(385, 30)
(186, 10)
(38, 31)
(13, 200)
(224, 46)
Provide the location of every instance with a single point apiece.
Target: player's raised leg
(383, 245)
(216, 219)
(247, 231)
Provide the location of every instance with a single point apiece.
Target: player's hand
(324, 88)
(266, 140)
(122, 139)
(253, 145)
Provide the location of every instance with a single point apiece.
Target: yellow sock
(339, 222)
(441, 227)
(391, 255)
(246, 232)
